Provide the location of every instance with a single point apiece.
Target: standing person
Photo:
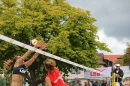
(79, 83)
(53, 77)
(94, 83)
(104, 83)
(97, 84)
(89, 82)
(86, 84)
(124, 82)
(118, 74)
(19, 66)
(100, 83)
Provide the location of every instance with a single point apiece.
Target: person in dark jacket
(104, 83)
(118, 74)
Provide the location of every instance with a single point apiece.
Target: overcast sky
(113, 21)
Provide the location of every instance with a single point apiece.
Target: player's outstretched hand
(39, 44)
(44, 46)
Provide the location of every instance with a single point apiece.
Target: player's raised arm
(39, 43)
(29, 62)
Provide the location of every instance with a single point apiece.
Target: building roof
(101, 62)
(112, 58)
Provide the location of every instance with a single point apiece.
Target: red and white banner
(90, 74)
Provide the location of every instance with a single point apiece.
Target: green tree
(120, 61)
(126, 56)
(69, 32)
(2, 81)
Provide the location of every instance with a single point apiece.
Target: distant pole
(129, 66)
(113, 79)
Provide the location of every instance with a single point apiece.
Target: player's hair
(50, 64)
(8, 64)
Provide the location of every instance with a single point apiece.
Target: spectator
(97, 83)
(89, 82)
(93, 83)
(118, 74)
(104, 83)
(124, 82)
(86, 84)
(78, 83)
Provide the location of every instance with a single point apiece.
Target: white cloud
(114, 45)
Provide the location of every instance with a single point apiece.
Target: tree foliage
(126, 56)
(2, 81)
(69, 32)
(119, 61)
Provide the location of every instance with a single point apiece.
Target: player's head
(49, 64)
(117, 66)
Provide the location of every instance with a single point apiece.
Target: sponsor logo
(22, 70)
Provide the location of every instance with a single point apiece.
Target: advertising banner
(91, 74)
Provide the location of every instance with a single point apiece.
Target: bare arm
(48, 81)
(29, 52)
(29, 62)
(25, 56)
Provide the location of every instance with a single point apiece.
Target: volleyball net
(13, 41)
